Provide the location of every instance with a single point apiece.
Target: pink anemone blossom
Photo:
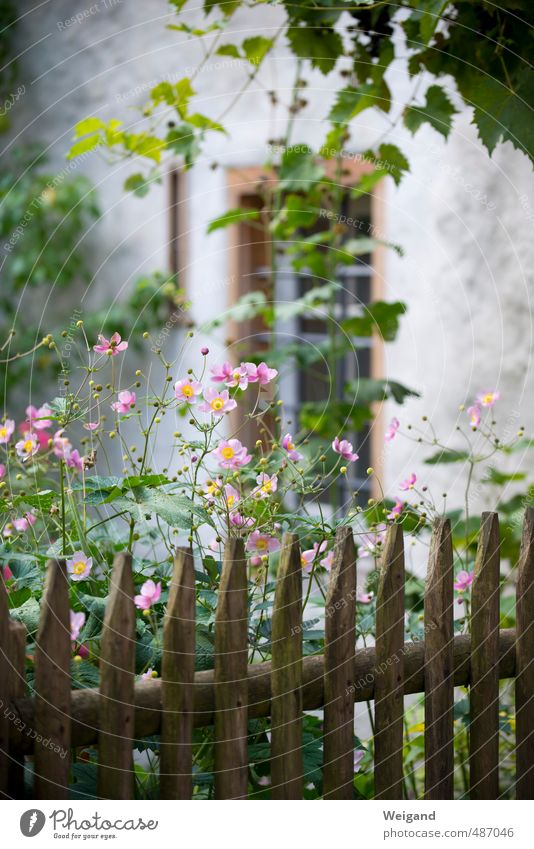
(77, 621)
(474, 415)
(344, 448)
(150, 594)
(241, 376)
(2, 471)
(43, 437)
(24, 522)
(216, 402)
(231, 454)
(289, 446)
(112, 346)
(187, 390)
(262, 543)
(6, 431)
(79, 566)
(125, 403)
(488, 399)
(231, 496)
(391, 432)
(359, 755)
(463, 580)
(38, 417)
(409, 483)
(262, 374)
(224, 373)
(267, 484)
(396, 510)
(27, 447)
(307, 558)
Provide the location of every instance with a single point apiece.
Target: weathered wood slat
(177, 677)
(484, 693)
(17, 690)
(286, 678)
(4, 689)
(340, 644)
(53, 687)
(231, 691)
(439, 665)
(389, 672)
(85, 703)
(524, 685)
(117, 665)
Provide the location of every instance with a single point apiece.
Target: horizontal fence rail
(56, 720)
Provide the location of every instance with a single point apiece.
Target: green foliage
(437, 111)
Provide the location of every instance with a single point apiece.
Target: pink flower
(231, 454)
(474, 415)
(328, 561)
(344, 448)
(463, 580)
(6, 431)
(2, 470)
(24, 522)
(241, 376)
(307, 558)
(61, 445)
(150, 594)
(231, 496)
(27, 447)
(397, 509)
(216, 402)
(392, 430)
(488, 399)
(409, 482)
(74, 461)
(364, 598)
(213, 487)
(79, 566)
(224, 373)
(262, 374)
(288, 445)
(77, 621)
(83, 651)
(91, 425)
(240, 521)
(149, 674)
(43, 437)
(262, 543)
(187, 390)
(267, 484)
(37, 417)
(125, 403)
(7, 573)
(112, 347)
(371, 543)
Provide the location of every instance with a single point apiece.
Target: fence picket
(524, 683)
(389, 672)
(484, 691)
(231, 688)
(177, 684)
(17, 690)
(4, 689)
(53, 687)
(439, 665)
(339, 651)
(117, 664)
(286, 676)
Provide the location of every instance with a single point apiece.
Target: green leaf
(177, 510)
(428, 13)
(501, 114)
(437, 111)
(28, 613)
(229, 50)
(138, 184)
(494, 476)
(298, 170)
(83, 146)
(380, 316)
(447, 456)
(88, 125)
(351, 101)
(256, 48)
(322, 45)
(233, 216)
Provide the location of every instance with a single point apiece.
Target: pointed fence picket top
(231, 689)
(439, 665)
(484, 691)
(524, 683)
(389, 670)
(117, 665)
(53, 687)
(177, 681)
(340, 644)
(286, 675)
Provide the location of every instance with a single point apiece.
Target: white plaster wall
(466, 275)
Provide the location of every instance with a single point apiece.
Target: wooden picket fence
(56, 720)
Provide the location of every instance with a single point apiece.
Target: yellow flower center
(187, 391)
(28, 446)
(3, 432)
(267, 486)
(487, 398)
(217, 404)
(79, 567)
(227, 452)
(290, 446)
(230, 500)
(261, 544)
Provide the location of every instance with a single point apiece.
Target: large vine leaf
(436, 111)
